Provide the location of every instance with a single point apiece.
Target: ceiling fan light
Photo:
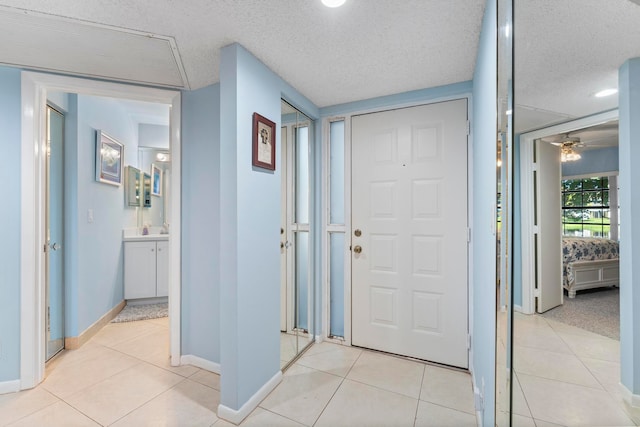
(333, 3)
(569, 155)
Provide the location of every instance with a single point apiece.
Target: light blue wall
(96, 280)
(380, 103)
(593, 162)
(484, 193)
(200, 223)
(150, 135)
(249, 227)
(10, 146)
(629, 107)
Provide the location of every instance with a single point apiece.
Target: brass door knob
(357, 249)
(357, 232)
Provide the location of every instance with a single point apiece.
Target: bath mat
(131, 313)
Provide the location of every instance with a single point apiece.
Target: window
(585, 207)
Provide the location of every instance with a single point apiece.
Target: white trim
(526, 196)
(9, 386)
(236, 416)
(34, 88)
(199, 362)
(517, 308)
(175, 239)
(629, 397)
(347, 229)
(591, 175)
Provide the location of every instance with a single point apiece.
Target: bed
(589, 263)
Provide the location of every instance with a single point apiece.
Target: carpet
(596, 310)
(131, 313)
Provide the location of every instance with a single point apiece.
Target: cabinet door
(139, 270)
(162, 269)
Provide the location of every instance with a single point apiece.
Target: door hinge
(468, 234)
(48, 319)
(468, 127)
(468, 342)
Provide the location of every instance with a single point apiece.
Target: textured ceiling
(364, 49)
(565, 52)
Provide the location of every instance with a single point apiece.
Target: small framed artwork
(109, 155)
(156, 180)
(264, 142)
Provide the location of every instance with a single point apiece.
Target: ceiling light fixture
(569, 155)
(333, 3)
(606, 92)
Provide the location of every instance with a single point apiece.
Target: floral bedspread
(585, 249)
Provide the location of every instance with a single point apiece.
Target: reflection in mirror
(132, 185)
(504, 214)
(296, 296)
(156, 162)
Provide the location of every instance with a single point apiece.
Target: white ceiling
(364, 49)
(565, 50)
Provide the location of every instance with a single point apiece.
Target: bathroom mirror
(157, 163)
(132, 186)
(296, 243)
(504, 246)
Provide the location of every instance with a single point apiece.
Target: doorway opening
(35, 87)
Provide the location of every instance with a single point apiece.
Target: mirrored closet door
(296, 291)
(504, 212)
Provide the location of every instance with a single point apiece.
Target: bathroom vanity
(146, 266)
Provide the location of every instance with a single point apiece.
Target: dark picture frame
(109, 158)
(264, 142)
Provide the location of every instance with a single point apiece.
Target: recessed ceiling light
(606, 92)
(333, 3)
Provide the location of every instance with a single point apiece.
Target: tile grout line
(336, 390)
(415, 418)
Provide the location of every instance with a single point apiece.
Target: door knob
(357, 249)
(357, 232)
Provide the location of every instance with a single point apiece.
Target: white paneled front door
(409, 232)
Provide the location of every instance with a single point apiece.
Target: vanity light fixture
(163, 157)
(333, 3)
(606, 92)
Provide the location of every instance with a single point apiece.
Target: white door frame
(527, 200)
(34, 97)
(346, 228)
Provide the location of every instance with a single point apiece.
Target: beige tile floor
(122, 377)
(566, 376)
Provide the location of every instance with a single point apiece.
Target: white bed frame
(593, 274)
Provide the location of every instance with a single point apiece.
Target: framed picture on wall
(109, 156)
(264, 142)
(156, 180)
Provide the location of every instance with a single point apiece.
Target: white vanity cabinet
(146, 269)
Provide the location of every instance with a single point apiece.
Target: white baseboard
(9, 386)
(199, 362)
(630, 398)
(517, 308)
(74, 343)
(236, 416)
